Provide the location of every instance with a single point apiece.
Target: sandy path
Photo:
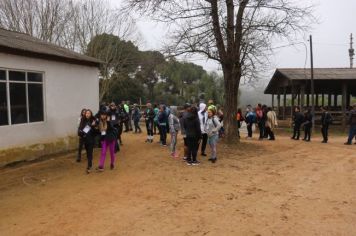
(262, 188)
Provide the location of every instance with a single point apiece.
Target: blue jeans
(352, 133)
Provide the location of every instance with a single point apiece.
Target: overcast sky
(331, 37)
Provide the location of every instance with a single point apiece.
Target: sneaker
(195, 163)
(213, 160)
(112, 166)
(88, 170)
(100, 169)
(347, 143)
(189, 163)
(203, 154)
(78, 159)
(324, 141)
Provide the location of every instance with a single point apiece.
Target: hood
(191, 116)
(202, 107)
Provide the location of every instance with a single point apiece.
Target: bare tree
(68, 23)
(235, 33)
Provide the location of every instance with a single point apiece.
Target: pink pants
(104, 146)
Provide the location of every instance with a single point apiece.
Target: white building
(43, 88)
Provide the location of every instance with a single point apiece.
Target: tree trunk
(231, 83)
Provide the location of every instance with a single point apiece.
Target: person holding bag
(87, 132)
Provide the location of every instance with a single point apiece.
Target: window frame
(7, 81)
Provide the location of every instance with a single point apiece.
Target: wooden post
(272, 101)
(329, 101)
(343, 106)
(302, 95)
(316, 100)
(322, 100)
(279, 102)
(298, 100)
(284, 102)
(292, 100)
(335, 101)
(348, 100)
(308, 100)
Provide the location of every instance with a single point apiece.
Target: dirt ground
(257, 188)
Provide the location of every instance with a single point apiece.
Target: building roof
(16, 43)
(324, 77)
(319, 73)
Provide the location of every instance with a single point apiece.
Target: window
(21, 97)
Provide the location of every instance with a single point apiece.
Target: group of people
(105, 130)
(263, 116)
(200, 125)
(197, 125)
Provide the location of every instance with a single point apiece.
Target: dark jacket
(308, 120)
(87, 130)
(352, 118)
(163, 118)
(123, 115)
(191, 126)
(298, 118)
(149, 115)
(136, 115)
(114, 117)
(182, 117)
(111, 133)
(326, 119)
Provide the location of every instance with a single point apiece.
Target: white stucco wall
(67, 89)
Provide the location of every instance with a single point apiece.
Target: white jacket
(203, 117)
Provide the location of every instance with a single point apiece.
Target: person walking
(87, 131)
(136, 116)
(352, 123)
(239, 120)
(108, 138)
(250, 119)
(174, 127)
(193, 135)
(81, 141)
(113, 116)
(122, 116)
(212, 127)
(271, 123)
(298, 119)
(203, 116)
(308, 124)
(149, 116)
(127, 111)
(325, 121)
(261, 120)
(162, 121)
(155, 124)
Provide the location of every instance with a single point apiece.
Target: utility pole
(312, 80)
(351, 52)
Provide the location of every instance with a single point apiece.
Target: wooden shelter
(334, 88)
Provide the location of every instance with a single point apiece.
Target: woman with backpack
(87, 133)
(108, 138)
(174, 127)
(212, 127)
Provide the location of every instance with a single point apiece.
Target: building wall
(67, 89)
